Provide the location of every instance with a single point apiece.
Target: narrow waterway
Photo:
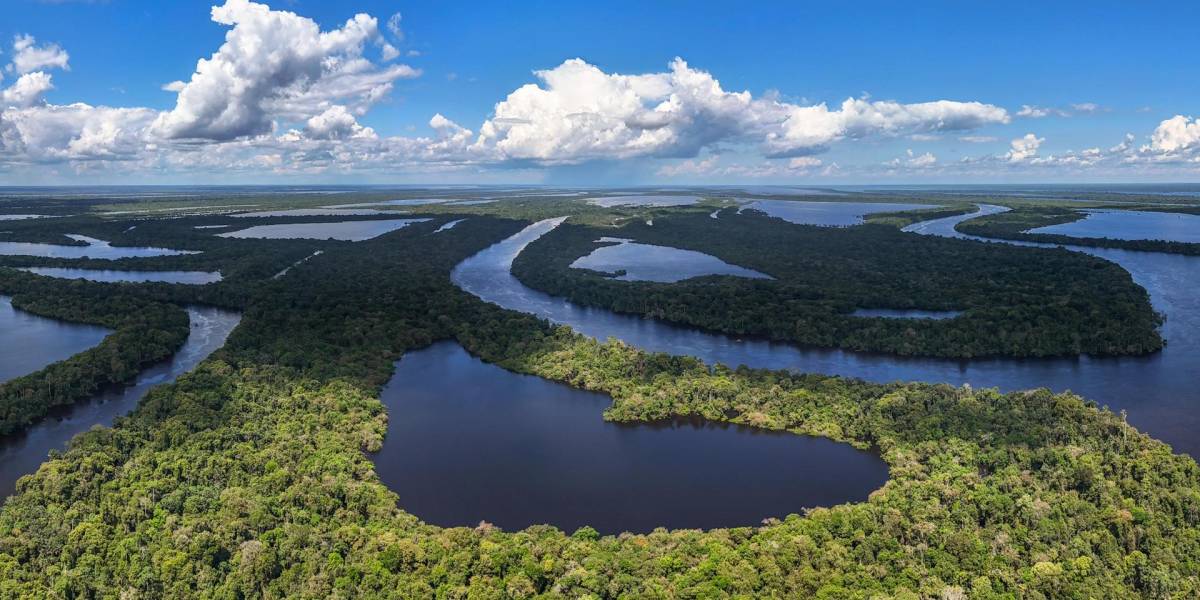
(22, 453)
(1159, 391)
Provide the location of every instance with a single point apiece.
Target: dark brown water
(470, 442)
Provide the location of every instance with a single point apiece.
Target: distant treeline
(1015, 225)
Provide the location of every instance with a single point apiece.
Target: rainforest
(264, 470)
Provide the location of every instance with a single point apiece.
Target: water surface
(313, 212)
(826, 213)
(647, 200)
(470, 442)
(1159, 390)
(113, 276)
(647, 262)
(22, 453)
(350, 231)
(1131, 225)
(94, 249)
(448, 226)
(29, 342)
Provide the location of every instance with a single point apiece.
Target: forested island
(251, 476)
(1015, 301)
(1016, 225)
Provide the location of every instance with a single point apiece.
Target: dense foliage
(144, 331)
(905, 218)
(1015, 225)
(1016, 301)
(251, 477)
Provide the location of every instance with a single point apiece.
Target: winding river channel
(1159, 391)
(21, 454)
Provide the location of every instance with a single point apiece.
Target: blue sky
(1072, 79)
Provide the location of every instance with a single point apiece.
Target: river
(1159, 391)
(22, 453)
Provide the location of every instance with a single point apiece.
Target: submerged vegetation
(1016, 301)
(249, 477)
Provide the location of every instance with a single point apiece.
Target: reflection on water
(29, 342)
(313, 212)
(21, 454)
(349, 231)
(646, 262)
(111, 276)
(1131, 225)
(469, 442)
(448, 226)
(94, 249)
(1159, 391)
(648, 200)
(825, 213)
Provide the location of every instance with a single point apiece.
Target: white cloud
(275, 63)
(27, 90)
(913, 160)
(1175, 134)
(337, 123)
(393, 25)
(804, 162)
(282, 96)
(809, 129)
(580, 113)
(1030, 111)
(74, 132)
(922, 160)
(28, 57)
(1038, 112)
(1024, 148)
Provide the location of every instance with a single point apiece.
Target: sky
(586, 93)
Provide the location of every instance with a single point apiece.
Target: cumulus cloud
(27, 90)
(1025, 147)
(74, 132)
(809, 129)
(1175, 134)
(337, 123)
(29, 57)
(281, 95)
(581, 112)
(275, 63)
(913, 160)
